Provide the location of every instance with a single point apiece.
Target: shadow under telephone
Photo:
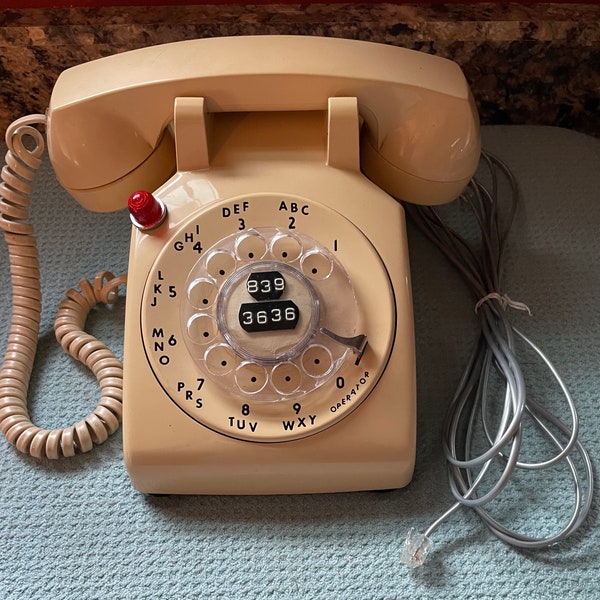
(268, 337)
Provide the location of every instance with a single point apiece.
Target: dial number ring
(244, 394)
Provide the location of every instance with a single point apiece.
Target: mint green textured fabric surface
(77, 529)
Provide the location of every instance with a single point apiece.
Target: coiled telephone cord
(25, 148)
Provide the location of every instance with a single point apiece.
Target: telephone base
(221, 396)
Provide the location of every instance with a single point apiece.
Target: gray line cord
(478, 410)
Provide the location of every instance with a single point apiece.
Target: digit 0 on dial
(269, 318)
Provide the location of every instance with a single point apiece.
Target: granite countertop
(535, 64)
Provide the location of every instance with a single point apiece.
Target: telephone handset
(107, 121)
(268, 337)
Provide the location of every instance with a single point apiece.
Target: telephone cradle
(269, 345)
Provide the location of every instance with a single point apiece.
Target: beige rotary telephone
(269, 337)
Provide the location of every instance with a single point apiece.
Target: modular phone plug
(269, 342)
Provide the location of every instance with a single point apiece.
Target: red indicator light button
(146, 211)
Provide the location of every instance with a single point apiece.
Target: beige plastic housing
(108, 120)
(279, 174)
(276, 158)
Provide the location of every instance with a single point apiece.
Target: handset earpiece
(121, 160)
(425, 151)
